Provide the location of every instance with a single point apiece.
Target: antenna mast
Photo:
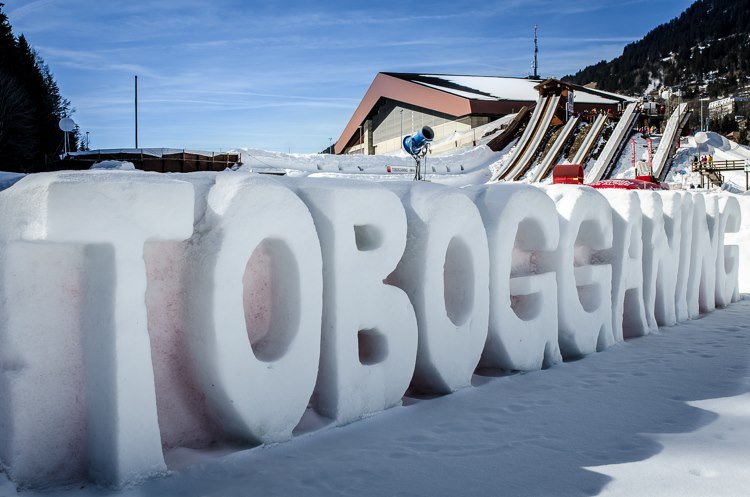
(536, 51)
(136, 111)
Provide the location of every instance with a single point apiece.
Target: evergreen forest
(30, 106)
(705, 52)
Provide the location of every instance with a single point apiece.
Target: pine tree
(17, 138)
(30, 105)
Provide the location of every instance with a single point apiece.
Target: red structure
(567, 174)
(630, 184)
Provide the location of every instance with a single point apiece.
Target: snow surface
(500, 88)
(662, 415)
(214, 254)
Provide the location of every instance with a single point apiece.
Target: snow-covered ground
(467, 166)
(624, 164)
(662, 415)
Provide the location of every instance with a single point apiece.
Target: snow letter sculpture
(184, 419)
(110, 216)
(725, 215)
(684, 223)
(256, 303)
(701, 284)
(445, 272)
(659, 263)
(584, 283)
(742, 240)
(523, 290)
(369, 332)
(626, 257)
(43, 422)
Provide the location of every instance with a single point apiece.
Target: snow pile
(142, 312)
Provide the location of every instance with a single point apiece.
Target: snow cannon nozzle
(416, 144)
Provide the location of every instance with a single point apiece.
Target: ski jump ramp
(614, 145)
(550, 160)
(676, 122)
(531, 139)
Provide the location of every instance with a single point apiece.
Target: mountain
(703, 52)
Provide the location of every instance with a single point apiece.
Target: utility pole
(536, 51)
(136, 111)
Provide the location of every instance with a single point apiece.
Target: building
(725, 107)
(397, 104)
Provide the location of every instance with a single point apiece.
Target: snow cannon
(416, 144)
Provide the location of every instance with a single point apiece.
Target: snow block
(685, 253)
(445, 273)
(255, 300)
(742, 241)
(725, 216)
(626, 259)
(43, 427)
(660, 243)
(701, 283)
(111, 215)
(183, 411)
(369, 332)
(584, 279)
(523, 290)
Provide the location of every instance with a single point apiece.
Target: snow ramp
(532, 137)
(668, 143)
(615, 144)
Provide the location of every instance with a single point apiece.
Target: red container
(567, 174)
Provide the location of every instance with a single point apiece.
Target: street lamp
(330, 145)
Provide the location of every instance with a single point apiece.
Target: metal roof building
(397, 104)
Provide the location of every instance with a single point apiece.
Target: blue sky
(287, 76)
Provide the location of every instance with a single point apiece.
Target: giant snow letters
(584, 279)
(369, 331)
(445, 272)
(142, 312)
(523, 290)
(626, 258)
